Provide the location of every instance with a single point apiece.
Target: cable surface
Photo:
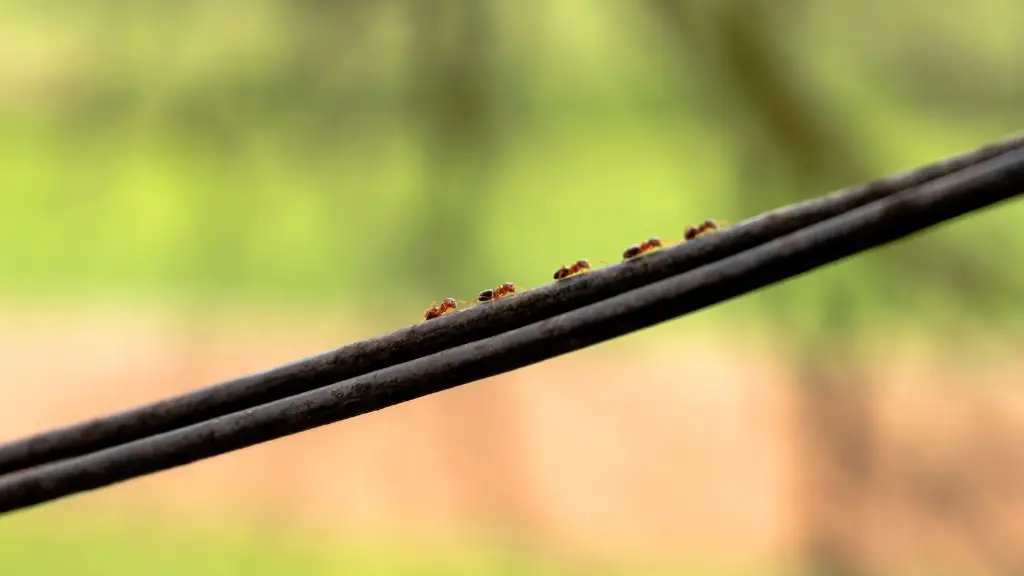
(879, 222)
(480, 322)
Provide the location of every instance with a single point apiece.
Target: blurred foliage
(394, 152)
(61, 543)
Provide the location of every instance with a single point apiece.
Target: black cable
(467, 326)
(866, 227)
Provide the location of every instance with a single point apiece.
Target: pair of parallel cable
(505, 334)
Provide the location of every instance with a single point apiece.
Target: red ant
(576, 268)
(495, 293)
(437, 310)
(705, 226)
(638, 249)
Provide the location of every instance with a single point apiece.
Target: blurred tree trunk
(782, 131)
(788, 146)
(452, 103)
(836, 440)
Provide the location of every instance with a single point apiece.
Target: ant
(705, 226)
(437, 310)
(638, 249)
(576, 268)
(495, 293)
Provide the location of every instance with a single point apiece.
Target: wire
(868, 226)
(453, 330)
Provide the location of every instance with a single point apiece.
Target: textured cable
(467, 326)
(889, 218)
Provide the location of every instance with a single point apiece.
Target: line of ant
(450, 304)
(690, 233)
(579, 267)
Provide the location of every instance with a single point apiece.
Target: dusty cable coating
(860, 229)
(455, 329)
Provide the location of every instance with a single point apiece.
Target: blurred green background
(361, 159)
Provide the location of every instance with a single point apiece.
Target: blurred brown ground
(696, 445)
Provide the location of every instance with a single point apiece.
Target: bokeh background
(190, 191)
